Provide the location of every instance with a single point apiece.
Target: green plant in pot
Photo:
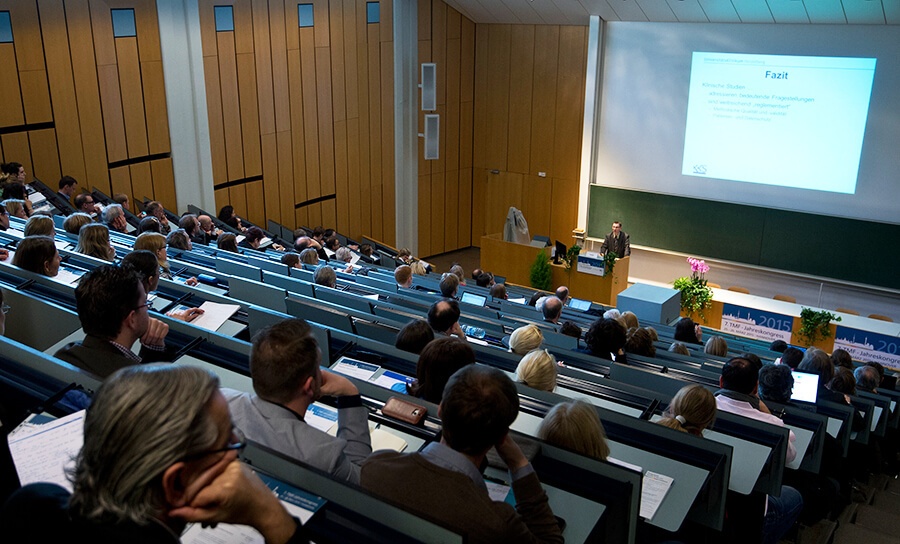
(541, 274)
(814, 325)
(696, 295)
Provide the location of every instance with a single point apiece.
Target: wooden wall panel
(155, 106)
(12, 112)
(541, 69)
(132, 94)
(43, 151)
(163, 178)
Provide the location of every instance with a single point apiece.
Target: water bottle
(474, 332)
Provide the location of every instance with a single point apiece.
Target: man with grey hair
(210, 232)
(284, 365)
(114, 217)
(867, 379)
(325, 276)
(159, 452)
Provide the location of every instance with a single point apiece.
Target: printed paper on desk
(215, 315)
(654, 488)
(321, 417)
(357, 369)
(43, 454)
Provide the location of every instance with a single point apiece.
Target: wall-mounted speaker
(432, 136)
(429, 82)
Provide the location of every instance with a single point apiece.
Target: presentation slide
(792, 117)
(777, 119)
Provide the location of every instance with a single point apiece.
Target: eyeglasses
(5, 309)
(144, 305)
(238, 443)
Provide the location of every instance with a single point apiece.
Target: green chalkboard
(845, 249)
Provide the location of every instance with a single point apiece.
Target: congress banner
(758, 324)
(869, 346)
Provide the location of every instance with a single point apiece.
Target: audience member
(15, 208)
(40, 225)
(443, 481)
(179, 239)
(12, 172)
(325, 276)
(114, 218)
(439, 359)
(843, 381)
(67, 185)
(284, 366)
(776, 383)
(93, 240)
(537, 369)
(114, 314)
(552, 309)
(631, 320)
(562, 293)
(778, 346)
(457, 270)
(692, 410)
(227, 242)
(842, 358)
(606, 338)
(570, 328)
(122, 200)
(344, 255)
(17, 191)
(449, 285)
(612, 313)
(525, 339)
(156, 209)
(147, 266)
(309, 256)
(292, 260)
(739, 383)
(575, 426)
(403, 276)
(84, 203)
(443, 316)
(75, 221)
(716, 345)
(486, 279)
(867, 379)
(498, 291)
(653, 334)
(688, 332)
(791, 357)
(4, 218)
(210, 231)
(414, 336)
(534, 298)
(418, 268)
(252, 238)
(149, 224)
(159, 452)
(191, 226)
(156, 243)
(639, 342)
(678, 347)
(37, 254)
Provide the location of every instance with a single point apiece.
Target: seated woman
(525, 339)
(688, 332)
(17, 191)
(575, 426)
(227, 216)
(437, 362)
(15, 208)
(75, 221)
(37, 254)
(639, 342)
(325, 276)
(309, 256)
(716, 345)
(227, 242)
(252, 238)
(692, 410)
(292, 260)
(149, 224)
(179, 239)
(145, 264)
(538, 370)
(40, 225)
(678, 347)
(156, 244)
(93, 240)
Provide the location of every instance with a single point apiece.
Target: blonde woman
(74, 222)
(538, 370)
(309, 256)
(16, 208)
(575, 426)
(156, 243)
(418, 268)
(692, 410)
(631, 320)
(716, 345)
(93, 240)
(40, 225)
(525, 339)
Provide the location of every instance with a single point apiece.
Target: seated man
(449, 285)
(403, 276)
(444, 482)
(114, 218)
(443, 316)
(552, 309)
(114, 314)
(738, 394)
(159, 451)
(284, 365)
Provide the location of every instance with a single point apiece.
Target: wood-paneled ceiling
(576, 12)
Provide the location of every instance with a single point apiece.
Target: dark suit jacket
(621, 244)
(453, 499)
(101, 358)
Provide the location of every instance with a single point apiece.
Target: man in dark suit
(443, 481)
(617, 241)
(113, 310)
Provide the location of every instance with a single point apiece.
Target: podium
(513, 261)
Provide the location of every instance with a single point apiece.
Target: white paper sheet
(215, 315)
(43, 452)
(654, 488)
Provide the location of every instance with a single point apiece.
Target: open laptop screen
(806, 386)
(580, 305)
(472, 298)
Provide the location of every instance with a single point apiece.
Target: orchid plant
(696, 295)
